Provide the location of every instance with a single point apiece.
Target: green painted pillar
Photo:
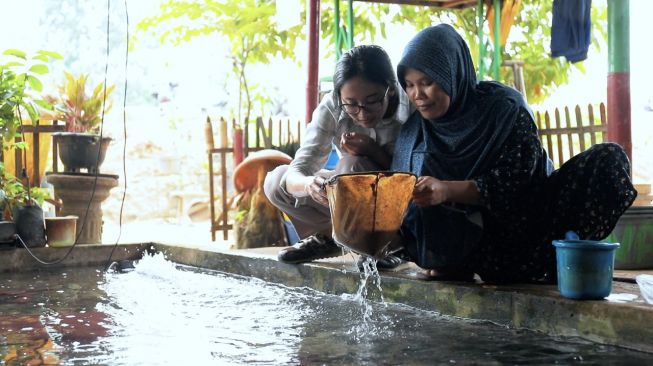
(350, 22)
(344, 36)
(480, 17)
(619, 129)
(336, 28)
(496, 61)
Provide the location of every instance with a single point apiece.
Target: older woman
(487, 200)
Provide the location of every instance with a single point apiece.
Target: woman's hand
(357, 144)
(315, 189)
(429, 191)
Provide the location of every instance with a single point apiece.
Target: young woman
(487, 200)
(362, 118)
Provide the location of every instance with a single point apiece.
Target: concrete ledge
(19, 259)
(535, 307)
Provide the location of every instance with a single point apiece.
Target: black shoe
(314, 247)
(389, 262)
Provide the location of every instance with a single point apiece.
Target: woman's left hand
(429, 191)
(357, 143)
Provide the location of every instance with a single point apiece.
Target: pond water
(163, 314)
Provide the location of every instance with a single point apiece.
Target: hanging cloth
(571, 29)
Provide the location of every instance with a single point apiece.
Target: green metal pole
(350, 21)
(496, 62)
(618, 36)
(481, 45)
(619, 117)
(336, 29)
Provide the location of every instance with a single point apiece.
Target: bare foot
(445, 275)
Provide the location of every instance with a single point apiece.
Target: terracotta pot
(246, 173)
(61, 231)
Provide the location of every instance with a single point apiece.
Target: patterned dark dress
(587, 194)
(488, 136)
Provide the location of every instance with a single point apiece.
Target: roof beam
(447, 4)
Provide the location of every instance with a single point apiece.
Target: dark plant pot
(81, 151)
(7, 232)
(30, 225)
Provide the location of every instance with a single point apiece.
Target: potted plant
(19, 105)
(18, 78)
(81, 146)
(22, 206)
(11, 92)
(7, 228)
(19, 205)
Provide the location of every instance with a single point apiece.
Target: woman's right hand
(357, 144)
(315, 189)
(429, 191)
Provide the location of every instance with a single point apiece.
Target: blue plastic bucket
(585, 268)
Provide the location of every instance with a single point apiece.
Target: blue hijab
(481, 116)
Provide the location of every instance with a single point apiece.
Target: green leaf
(35, 83)
(32, 111)
(39, 69)
(44, 104)
(50, 54)
(16, 53)
(11, 64)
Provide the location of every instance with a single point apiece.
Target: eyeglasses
(371, 107)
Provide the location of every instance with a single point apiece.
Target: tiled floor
(162, 231)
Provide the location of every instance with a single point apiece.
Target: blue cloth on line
(571, 29)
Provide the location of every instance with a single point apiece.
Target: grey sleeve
(316, 142)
